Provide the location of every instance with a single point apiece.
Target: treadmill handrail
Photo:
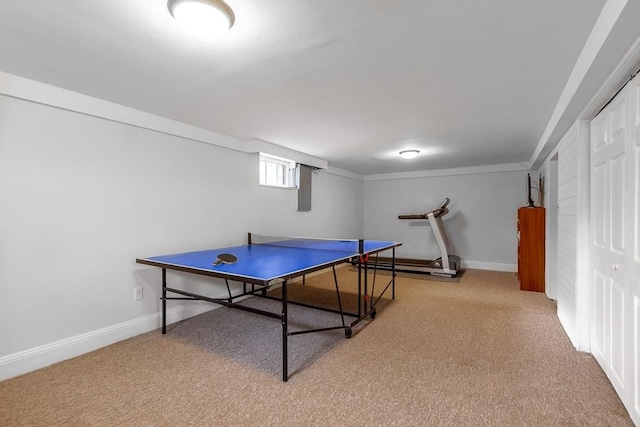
(421, 216)
(438, 212)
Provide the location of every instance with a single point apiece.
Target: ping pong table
(268, 261)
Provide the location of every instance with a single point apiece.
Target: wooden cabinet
(531, 222)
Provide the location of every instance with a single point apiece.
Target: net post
(366, 279)
(249, 238)
(393, 273)
(360, 267)
(359, 285)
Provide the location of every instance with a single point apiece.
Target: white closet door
(618, 241)
(600, 136)
(614, 243)
(635, 260)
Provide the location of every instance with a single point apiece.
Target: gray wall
(83, 194)
(481, 223)
(82, 197)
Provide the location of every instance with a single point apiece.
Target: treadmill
(448, 264)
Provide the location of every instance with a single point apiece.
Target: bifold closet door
(614, 243)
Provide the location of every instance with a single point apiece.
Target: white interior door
(614, 246)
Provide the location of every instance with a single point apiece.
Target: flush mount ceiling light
(409, 154)
(204, 17)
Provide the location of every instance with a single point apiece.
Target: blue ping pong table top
(265, 262)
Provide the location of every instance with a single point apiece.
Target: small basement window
(277, 171)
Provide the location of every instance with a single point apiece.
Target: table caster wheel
(373, 314)
(347, 332)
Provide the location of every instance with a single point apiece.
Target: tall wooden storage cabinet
(531, 248)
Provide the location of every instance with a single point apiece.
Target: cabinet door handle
(615, 266)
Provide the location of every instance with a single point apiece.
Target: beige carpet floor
(475, 353)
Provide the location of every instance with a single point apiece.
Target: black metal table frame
(259, 288)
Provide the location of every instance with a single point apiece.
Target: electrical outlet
(137, 294)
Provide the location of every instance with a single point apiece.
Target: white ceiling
(353, 82)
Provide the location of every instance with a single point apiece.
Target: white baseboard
(29, 360)
(493, 266)
(568, 326)
(39, 357)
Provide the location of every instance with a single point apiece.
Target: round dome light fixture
(409, 154)
(203, 17)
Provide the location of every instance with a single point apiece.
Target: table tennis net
(338, 245)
